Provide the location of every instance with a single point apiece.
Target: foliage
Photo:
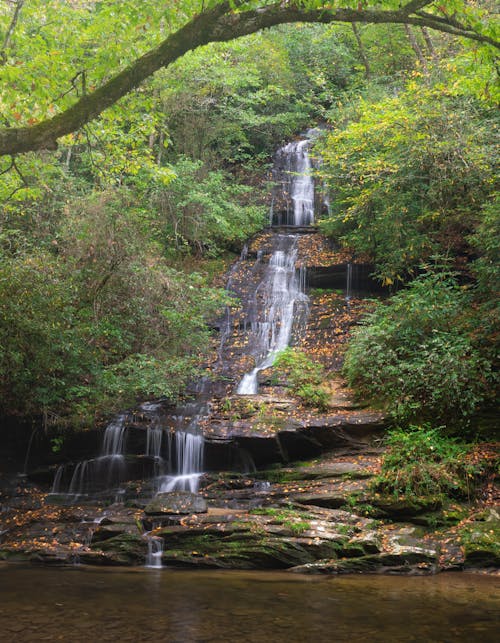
(415, 354)
(408, 175)
(102, 240)
(421, 461)
(304, 377)
(99, 318)
(201, 211)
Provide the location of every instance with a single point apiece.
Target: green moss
(125, 548)
(481, 542)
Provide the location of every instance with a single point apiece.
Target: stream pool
(86, 604)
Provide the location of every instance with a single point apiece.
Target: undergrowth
(421, 461)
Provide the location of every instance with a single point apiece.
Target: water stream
(166, 445)
(280, 300)
(293, 198)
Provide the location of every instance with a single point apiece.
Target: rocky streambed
(319, 516)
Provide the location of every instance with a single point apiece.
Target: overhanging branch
(218, 24)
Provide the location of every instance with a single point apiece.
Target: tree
(224, 20)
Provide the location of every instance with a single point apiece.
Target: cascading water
(104, 472)
(280, 301)
(172, 444)
(293, 200)
(189, 464)
(282, 295)
(155, 551)
(348, 285)
(167, 446)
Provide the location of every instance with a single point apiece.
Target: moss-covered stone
(125, 549)
(406, 561)
(481, 540)
(401, 508)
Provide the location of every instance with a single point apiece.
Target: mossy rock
(246, 553)
(403, 508)
(126, 549)
(15, 556)
(403, 562)
(253, 548)
(481, 541)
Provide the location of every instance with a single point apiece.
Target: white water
(155, 551)
(293, 174)
(189, 463)
(282, 288)
(282, 291)
(108, 468)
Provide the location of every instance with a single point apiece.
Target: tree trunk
(362, 52)
(428, 42)
(416, 48)
(10, 31)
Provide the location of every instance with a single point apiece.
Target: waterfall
(293, 198)
(155, 551)
(280, 301)
(348, 285)
(177, 452)
(106, 471)
(189, 463)
(282, 293)
(114, 438)
(273, 308)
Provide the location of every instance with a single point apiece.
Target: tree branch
(10, 31)
(218, 24)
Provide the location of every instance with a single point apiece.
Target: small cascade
(188, 464)
(56, 485)
(114, 438)
(104, 472)
(170, 446)
(348, 285)
(154, 438)
(155, 551)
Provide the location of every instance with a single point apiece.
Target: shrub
(303, 376)
(421, 461)
(415, 354)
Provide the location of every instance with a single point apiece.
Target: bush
(416, 356)
(304, 377)
(420, 461)
(100, 320)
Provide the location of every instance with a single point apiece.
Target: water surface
(85, 604)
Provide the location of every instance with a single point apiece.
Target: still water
(181, 606)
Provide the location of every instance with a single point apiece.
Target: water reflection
(184, 607)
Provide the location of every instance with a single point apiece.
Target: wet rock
(124, 549)
(404, 561)
(246, 550)
(105, 532)
(332, 496)
(176, 502)
(481, 541)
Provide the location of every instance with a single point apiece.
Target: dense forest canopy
(135, 30)
(136, 139)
